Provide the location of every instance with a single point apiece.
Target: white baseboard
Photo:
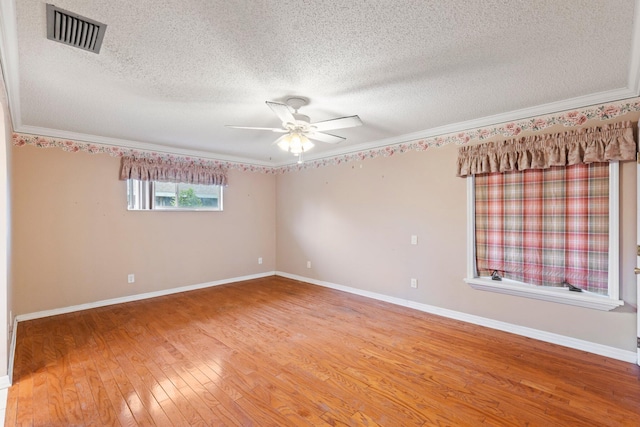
(12, 349)
(137, 297)
(588, 346)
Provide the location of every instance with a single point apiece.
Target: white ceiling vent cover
(74, 30)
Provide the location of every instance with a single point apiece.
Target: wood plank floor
(276, 352)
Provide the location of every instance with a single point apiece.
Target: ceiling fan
(298, 128)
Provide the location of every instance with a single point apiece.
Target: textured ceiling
(172, 73)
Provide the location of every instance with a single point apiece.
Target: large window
(543, 214)
(549, 234)
(153, 195)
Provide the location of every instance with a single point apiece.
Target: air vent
(74, 30)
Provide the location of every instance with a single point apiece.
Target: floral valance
(590, 145)
(179, 170)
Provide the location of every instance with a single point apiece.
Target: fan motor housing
(297, 102)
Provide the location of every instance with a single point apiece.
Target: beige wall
(354, 222)
(74, 241)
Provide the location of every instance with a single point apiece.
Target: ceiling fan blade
(278, 130)
(325, 137)
(340, 123)
(282, 111)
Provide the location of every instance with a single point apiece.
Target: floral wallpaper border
(572, 118)
(21, 139)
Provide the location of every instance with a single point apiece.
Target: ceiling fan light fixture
(295, 143)
(283, 142)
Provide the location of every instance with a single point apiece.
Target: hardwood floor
(276, 352)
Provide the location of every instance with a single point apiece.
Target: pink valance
(590, 145)
(178, 170)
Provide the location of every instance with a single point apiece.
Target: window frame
(146, 193)
(558, 295)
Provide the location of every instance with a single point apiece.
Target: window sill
(174, 210)
(559, 295)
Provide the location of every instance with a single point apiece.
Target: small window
(169, 196)
(546, 234)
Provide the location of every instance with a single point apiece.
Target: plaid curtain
(545, 226)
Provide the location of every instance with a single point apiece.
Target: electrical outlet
(414, 283)
(131, 278)
(308, 264)
(414, 240)
(260, 260)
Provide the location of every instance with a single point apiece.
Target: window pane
(172, 196)
(198, 196)
(165, 194)
(138, 195)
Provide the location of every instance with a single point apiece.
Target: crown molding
(633, 82)
(135, 145)
(74, 142)
(511, 116)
